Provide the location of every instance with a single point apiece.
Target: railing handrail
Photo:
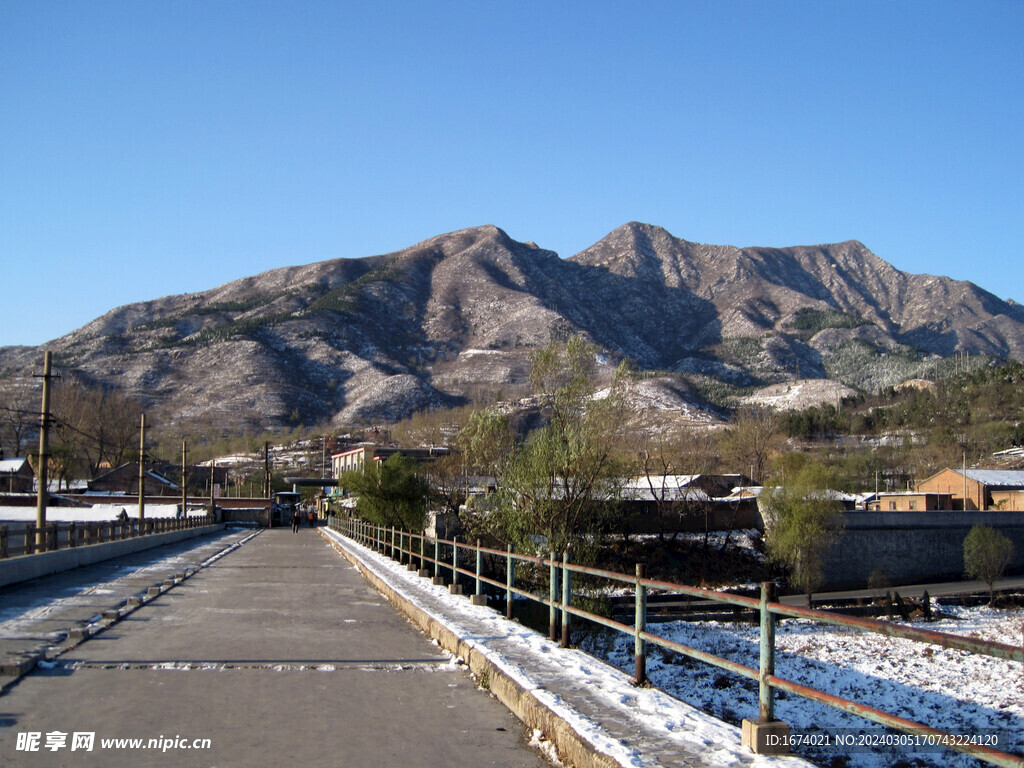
(767, 607)
(60, 534)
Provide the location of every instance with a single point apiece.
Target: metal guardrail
(19, 540)
(412, 548)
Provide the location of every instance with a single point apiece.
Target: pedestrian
(311, 518)
(296, 519)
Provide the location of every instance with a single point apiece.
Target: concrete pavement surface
(276, 654)
(39, 614)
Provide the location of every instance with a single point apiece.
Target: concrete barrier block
(423, 573)
(765, 737)
(455, 589)
(18, 666)
(478, 599)
(439, 581)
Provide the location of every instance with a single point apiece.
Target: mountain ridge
(455, 317)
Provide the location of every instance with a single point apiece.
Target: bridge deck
(279, 653)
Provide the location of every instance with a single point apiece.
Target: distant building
(16, 476)
(358, 458)
(913, 501)
(978, 489)
(125, 480)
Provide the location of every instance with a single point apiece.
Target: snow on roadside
(951, 690)
(556, 676)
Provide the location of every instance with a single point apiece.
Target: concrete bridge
(265, 648)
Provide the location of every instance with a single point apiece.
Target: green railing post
(566, 598)
(766, 697)
(437, 556)
(455, 560)
(510, 572)
(477, 588)
(639, 627)
(553, 595)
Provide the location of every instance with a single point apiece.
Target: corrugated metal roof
(666, 487)
(1002, 478)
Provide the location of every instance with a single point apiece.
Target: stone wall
(913, 546)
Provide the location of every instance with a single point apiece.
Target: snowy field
(951, 690)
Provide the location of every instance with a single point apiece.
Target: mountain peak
(457, 316)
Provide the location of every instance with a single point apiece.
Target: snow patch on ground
(951, 690)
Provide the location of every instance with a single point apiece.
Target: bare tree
(753, 437)
(19, 416)
(98, 426)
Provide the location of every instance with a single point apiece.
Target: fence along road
(278, 653)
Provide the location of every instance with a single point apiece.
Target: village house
(125, 480)
(16, 476)
(977, 489)
(912, 501)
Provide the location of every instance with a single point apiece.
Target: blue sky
(156, 148)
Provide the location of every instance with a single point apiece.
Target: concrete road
(278, 654)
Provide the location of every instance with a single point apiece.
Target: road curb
(573, 748)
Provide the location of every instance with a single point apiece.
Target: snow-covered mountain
(456, 317)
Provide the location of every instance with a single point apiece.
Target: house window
(913, 506)
(892, 506)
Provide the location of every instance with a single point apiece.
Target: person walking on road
(296, 520)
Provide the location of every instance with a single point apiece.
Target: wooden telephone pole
(42, 495)
(142, 469)
(184, 480)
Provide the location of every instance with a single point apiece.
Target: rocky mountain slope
(455, 318)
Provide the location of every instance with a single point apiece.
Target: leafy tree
(562, 481)
(486, 442)
(802, 520)
(987, 552)
(391, 493)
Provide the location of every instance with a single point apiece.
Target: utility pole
(42, 495)
(184, 480)
(213, 467)
(142, 469)
(266, 470)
